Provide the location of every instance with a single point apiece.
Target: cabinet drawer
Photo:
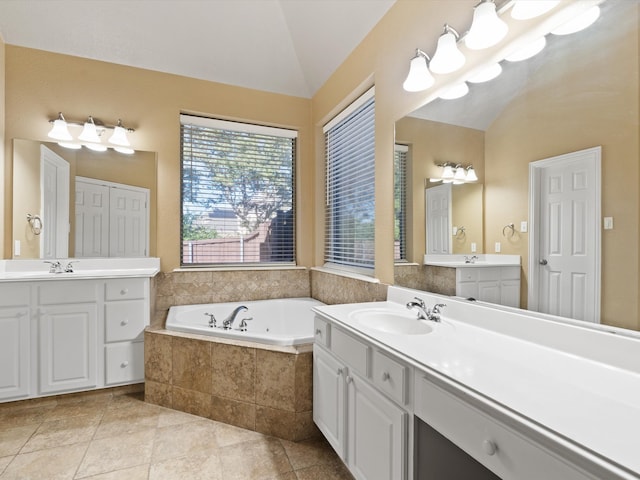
(125, 289)
(14, 295)
(390, 377)
(354, 353)
(502, 450)
(124, 362)
(469, 274)
(322, 330)
(66, 292)
(124, 320)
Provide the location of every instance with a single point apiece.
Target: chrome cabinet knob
(385, 376)
(124, 364)
(489, 447)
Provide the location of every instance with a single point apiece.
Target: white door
(438, 210)
(92, 219)
(129, 222)
(564, 253)
(54, 202)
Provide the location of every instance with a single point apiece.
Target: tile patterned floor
(111, 437)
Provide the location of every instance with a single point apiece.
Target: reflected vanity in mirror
(79, 203)
(580, 93)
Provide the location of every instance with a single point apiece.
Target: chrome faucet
(425, 313)
(56, 267)
(228, 322)
(471, 259)
(69, 267)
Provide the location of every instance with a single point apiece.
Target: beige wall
(39, 84)
(433, 143)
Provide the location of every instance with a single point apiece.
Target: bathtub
(283, 321)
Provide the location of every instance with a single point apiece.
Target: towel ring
(461, 232)
(35, 222)
(510, 226)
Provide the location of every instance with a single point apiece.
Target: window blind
(400, 202)
(237, 193)
(350, 200)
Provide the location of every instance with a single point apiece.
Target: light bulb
(487, 29)
(527, 51)
(448, 58)
(60, 130)
(89, 132)
(119, 136)
(579, 23)
(486, 74)
(72, 146)
(96, 147)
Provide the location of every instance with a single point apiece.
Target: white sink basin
(390, 322)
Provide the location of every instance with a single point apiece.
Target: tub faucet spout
(228, 322)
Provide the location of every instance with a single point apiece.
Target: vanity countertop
(84, 268)
(591, 400)
(481, 260)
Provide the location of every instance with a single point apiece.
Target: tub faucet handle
(212, 319)
(243, 324)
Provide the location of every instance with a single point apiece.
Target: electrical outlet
(498, 247)
(474, 247)
(608, 223)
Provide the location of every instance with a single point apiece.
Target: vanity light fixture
(471, 174)
(60, 129)
(448, 58)
(419, 77)
(487, 29)
(455, 173)
(456, 91)
(526, 9)
(448, 174)
(90, 136)
(578, 23)
(527, 51)
(460, 175)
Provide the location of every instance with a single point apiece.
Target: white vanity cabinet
(360, 404)
(66, 335)
(497, 284)
(14, 341)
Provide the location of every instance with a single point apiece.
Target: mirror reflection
(579, 93)
(79, 203)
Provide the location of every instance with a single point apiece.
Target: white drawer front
(390, 377)
(65, 292)
(502, 450)
(352, 351)
(124, 363)
(14, 295)
(124, 320)
(322, 330)
(125, 289)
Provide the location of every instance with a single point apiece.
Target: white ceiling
(281, 46)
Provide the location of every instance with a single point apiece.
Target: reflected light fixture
(526, 9)
(90, 135)
(419, 77)
(486, 74)
(448, 58)
(455, 173)
(459, 175)
(447, 173)
(487, 29)
(60, 129)
(456, 91)
(578, 23)
(527, 51)
(471, 175)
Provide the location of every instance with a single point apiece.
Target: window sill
(345, 273)
(235, 268)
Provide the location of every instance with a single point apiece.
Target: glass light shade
(447, 174)
(60, 131)
(96, 147)
(526, 9)
(487, 29)
(448, 58)
(457, 91)
(527, 51)
(460, 173)
(471, 175)
(119, 137)
(486, 74)
(579, 23)
(72, 146)
(419, 77)
(89, 133)
(125, 150)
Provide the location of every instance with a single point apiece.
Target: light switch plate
(608, 223)
(16, 248)
(474, 247)
(523, 226)
(498, 247)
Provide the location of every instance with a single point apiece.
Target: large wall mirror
(580, 92)
(80, 203)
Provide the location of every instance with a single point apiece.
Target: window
(237, 193)
(350, 200)
(400, 202)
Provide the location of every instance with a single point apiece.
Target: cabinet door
(467, 290)
(510, 293)
(14, 352)
(68, 347)
(377, 445)
(489, 291)
(329, 398)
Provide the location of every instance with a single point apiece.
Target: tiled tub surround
(239, 383)
(428, 278)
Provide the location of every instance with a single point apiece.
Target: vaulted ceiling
(282, 46)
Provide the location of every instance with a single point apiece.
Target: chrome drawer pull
(489, 447)
(385, 376)
(124, 364)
